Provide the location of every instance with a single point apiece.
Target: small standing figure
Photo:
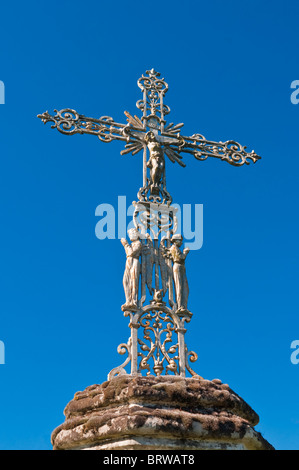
(132, 269)
(179, 272)
(156, 162)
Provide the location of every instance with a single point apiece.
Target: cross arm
(69, 122)
(201, 148)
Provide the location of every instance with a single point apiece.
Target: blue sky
(229, 66)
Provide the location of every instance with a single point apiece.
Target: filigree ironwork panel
(155, 280)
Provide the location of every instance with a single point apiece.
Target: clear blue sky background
(229, 66)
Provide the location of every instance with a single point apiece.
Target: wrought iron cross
(155, 280)
(151, 133)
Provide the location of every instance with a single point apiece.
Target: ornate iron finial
(155, 280)
(152, 105)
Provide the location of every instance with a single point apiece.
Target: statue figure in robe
(179, 272)
(132, 269)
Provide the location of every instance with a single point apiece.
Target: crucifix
(155, 280)
(152, 135)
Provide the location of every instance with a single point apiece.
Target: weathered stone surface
(169, 412)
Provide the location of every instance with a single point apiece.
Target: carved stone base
(158, 413)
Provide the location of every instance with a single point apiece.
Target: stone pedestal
(158, 413)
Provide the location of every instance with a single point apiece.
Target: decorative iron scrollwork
(158, 331)
(155, 279)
